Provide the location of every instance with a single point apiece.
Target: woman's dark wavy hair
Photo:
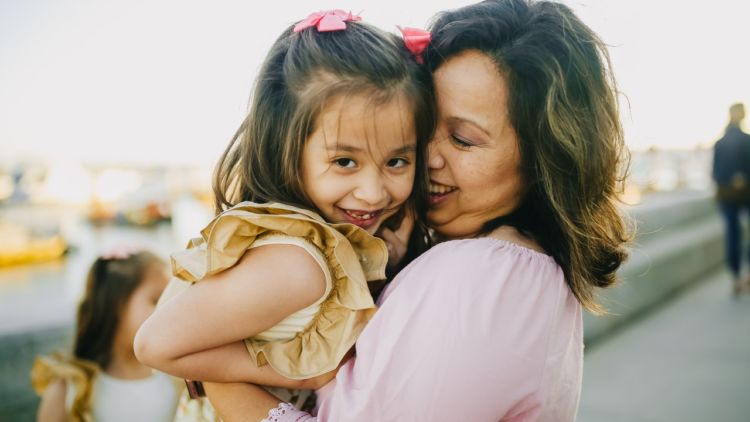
(109, 285)
(563, 105)
(301, 72)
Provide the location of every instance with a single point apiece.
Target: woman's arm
(52, 406)
(268, 284)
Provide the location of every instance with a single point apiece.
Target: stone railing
(679, 240)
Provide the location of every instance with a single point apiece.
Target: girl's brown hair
(563, 106)
(109, 285)
(301, 72)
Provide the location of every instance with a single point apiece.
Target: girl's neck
(124, 365)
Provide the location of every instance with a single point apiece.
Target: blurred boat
(21, 246)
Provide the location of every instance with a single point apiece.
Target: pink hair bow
(120, 252)
(327, 20)
(416, 41)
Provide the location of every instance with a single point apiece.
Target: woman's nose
(435, 159)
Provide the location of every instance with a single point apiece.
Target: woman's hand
(397, 241)
(240, 401)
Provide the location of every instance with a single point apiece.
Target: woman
(524, 171)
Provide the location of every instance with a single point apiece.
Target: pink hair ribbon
(416, 41)
(120, 252)
(327, 20)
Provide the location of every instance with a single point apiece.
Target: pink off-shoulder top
(478, 329)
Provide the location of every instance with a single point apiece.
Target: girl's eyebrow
(349, 148)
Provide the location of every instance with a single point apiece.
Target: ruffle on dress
(353, 257)
(78, 376)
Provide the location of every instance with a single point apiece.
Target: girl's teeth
(366, 216)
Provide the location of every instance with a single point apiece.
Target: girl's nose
(372, 190)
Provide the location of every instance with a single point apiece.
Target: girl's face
(141, 304)
(358, 165)
(474, 159)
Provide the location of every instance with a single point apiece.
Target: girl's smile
(358, 165)
(361, 218)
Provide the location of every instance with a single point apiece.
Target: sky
(167, 81)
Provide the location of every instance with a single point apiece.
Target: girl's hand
(397, 241)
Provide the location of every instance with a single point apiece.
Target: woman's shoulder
(512, 235)
(488, 254)
(502, 298)
(475, 267)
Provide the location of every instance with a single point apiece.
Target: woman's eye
(398, 163)
(345, 162)
(461, 143)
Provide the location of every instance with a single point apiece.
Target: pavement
(689, 360)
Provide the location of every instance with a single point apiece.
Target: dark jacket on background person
(732, 157)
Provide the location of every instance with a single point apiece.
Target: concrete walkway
(687, 361)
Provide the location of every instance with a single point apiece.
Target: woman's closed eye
(461, 142)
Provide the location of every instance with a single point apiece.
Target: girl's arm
(230, 363)
(52, 406)
(268, 284)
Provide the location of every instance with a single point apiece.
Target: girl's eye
(346, 163)
(460, 142)
(398, 163)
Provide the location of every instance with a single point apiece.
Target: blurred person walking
(102, 380)
(731, 172)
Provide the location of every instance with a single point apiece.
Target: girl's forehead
(369, 110)
(358, 122)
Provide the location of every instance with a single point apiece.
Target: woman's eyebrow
(470, 122)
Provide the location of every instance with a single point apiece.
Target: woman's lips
(361, 218)
(440, 192)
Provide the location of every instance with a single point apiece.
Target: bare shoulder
(512, 235)
(52, 405)
(287, 265)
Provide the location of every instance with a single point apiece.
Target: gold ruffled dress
(312, 341)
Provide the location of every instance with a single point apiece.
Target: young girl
(331, 150)
(103, 381)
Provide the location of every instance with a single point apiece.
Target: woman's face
(474, 158)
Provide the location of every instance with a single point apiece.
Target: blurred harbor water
(46, 294)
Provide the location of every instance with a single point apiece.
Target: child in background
(332, 148)
(103, 381)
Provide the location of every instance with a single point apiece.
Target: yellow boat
(19, 246)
